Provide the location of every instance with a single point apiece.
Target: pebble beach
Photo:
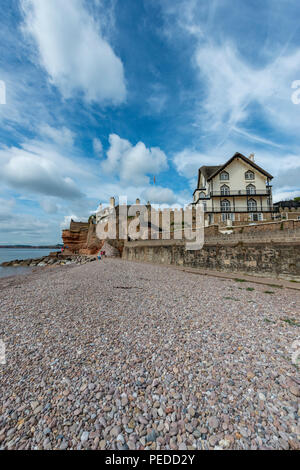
(120, 355)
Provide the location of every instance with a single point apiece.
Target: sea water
(11, 254)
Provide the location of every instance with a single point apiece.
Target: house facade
(238, 191)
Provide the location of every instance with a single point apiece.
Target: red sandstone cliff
(81, 238)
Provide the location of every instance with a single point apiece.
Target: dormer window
(224, 176)
(201, 195)
(249, 175)
(225, 190)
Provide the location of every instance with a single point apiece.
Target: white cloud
(133, 164)
(159, 195)
(98, 147)
(285, 195)
(28, 229)
(6, 206)
(73, 52)
(188, 161)
(49, 206)
(25, 171)
(233, 85)
(61, 137)
(67, 219)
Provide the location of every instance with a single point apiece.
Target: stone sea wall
(276, 259)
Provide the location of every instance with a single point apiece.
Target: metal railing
(255, 192)
(234, 209)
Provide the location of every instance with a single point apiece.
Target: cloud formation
(159, 195)
(234, 86)
(98, 147)
(35, 173)
(73, 52)
(133, 163)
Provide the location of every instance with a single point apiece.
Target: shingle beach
(120, 355)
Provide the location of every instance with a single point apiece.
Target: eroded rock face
(81, 239)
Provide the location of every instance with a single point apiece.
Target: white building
(239, 190)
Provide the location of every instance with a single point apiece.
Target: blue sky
(103, 95)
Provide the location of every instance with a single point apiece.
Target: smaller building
(284, 206)
(288, 209)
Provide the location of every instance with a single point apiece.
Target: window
(224, 176)
(251, 189)
(228, 217)
(252, 205)
(202, 195)
(256, 217)
(225, 190)
(225, 206)
(249, 175)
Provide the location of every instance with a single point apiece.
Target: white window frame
(250, 206)
(228, 216)
(224, 174)
(256, 217)
(228, 206)
(250, 175)
(251, 189)
(225, 190)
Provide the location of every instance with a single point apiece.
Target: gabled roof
(210, 172)
(246, 160)
(207, 171)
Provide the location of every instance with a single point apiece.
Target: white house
(239, 190)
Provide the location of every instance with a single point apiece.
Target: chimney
(112, 202)
(138, 202)
(251, 157)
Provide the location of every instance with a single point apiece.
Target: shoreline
(25, 267)
(32, 274)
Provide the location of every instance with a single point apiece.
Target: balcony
(235, 209)
(260, 192)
